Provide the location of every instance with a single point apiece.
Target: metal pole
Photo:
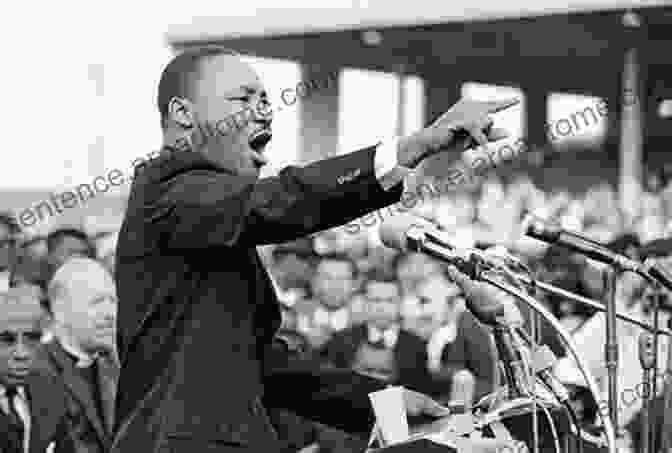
(611, 346)
(647, 355)
(654, 371)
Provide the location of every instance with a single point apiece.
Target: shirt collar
(83, 359)
(20, 391)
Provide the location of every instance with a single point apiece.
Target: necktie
(17, 427)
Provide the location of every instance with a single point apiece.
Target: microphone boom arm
(583, 368)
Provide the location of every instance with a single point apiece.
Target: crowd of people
(347, 300)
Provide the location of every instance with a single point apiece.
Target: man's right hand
(465, 125)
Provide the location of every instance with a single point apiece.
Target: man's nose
(22, 351)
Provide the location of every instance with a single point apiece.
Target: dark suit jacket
(197, 310)
(48, 417)
(410, 354)
(474, 351)
(90, 428)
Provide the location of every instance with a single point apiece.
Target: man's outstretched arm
(199, 205)
(206, 206)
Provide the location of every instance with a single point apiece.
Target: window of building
(368, 108)
(575, 120)
(374, 105)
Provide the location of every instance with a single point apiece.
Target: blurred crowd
(350, 302)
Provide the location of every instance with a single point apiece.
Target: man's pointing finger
(498, 106)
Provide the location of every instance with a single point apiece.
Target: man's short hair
(55, 238)
(19, 302)
(177, 78)
(10, 222)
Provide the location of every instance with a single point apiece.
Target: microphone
(408, 233)
(553, 233)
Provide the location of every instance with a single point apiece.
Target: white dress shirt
(84, 360)
(21, 405)
(590, 340)
(333, 319)
(389, 335)
(388, 171)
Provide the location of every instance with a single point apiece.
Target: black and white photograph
(349, 226)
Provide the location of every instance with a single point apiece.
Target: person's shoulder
(171, 162)
(411, 338)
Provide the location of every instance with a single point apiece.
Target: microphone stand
(611, 346)
(588, 302)
(646, 359)
(539, 308)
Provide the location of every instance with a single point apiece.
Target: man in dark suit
(197, 312)
(32, 405)
(461, 344)
(81, 355)
(380, 347)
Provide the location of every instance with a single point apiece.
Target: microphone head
(541, 229)
(394, 232)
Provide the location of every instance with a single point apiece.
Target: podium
(510, 432)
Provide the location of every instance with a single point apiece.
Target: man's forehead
(17, 324)
(228, 73)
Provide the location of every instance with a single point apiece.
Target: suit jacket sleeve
(334, 397)
(199, 206)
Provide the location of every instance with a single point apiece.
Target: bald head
(84, 303)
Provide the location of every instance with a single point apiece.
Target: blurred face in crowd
(413, 269)
(228, 89)
(37, 249)
(68, 247)
(649, 293)
(437, 297)
(334, 283)
(5, 245)
(20, 335)
(84, 302)
(382, 300)
(291, 271)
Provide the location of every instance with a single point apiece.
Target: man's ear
(180, 111)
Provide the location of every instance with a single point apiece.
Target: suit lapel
(7, 439)
(79, 388)
(108, 371)
(45, 412)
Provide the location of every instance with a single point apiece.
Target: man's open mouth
(259, 139)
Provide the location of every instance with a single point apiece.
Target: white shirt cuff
(388, 171)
